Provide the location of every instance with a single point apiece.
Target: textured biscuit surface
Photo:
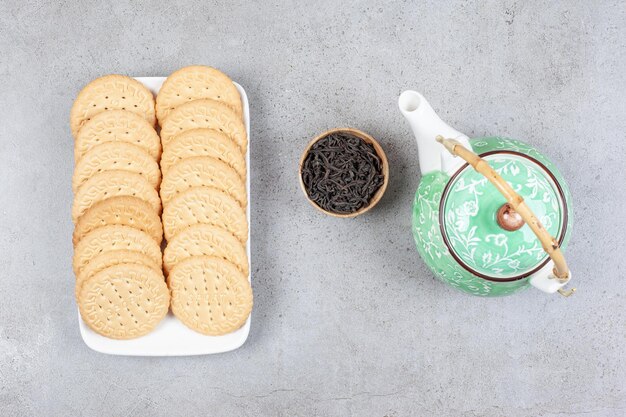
(117, 126)
(109, 184)
(205, 205)
(193, 83)
(115, 257)
(203, 171)
(124, 301)
(204, 142)
(205, 239)
(114, 237)
(205, 113)
(109, 93)
(116, 156)
(210, 295)
(120, 210)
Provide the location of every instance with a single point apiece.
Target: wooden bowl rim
(379, 151)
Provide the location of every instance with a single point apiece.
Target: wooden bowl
(379, 151)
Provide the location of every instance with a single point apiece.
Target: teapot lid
(484, 234)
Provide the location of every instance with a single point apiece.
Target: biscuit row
(120, 287)
(204, 198)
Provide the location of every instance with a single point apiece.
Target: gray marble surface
(348, 320)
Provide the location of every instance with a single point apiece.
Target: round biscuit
(204, 142)
(115, 257)
(109, 184)
(120, 210)
(205, 239)
(109, 93)
(210, 295)
(124, 301)
(204, 205)
(202, 171)
(193, 83)
(114, 237)
(204, 113)
(113, 156)
(117, 126)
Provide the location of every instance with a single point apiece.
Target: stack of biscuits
(204, 199)
(122, 180)
(120, 288)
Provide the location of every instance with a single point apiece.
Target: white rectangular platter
(171, 337)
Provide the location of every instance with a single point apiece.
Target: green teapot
(491, 215)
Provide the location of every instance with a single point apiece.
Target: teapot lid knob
(508, 218)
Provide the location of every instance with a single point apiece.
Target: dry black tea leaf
(341, 173)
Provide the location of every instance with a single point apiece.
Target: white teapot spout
(426, 126)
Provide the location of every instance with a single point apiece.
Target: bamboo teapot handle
(549, 243)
